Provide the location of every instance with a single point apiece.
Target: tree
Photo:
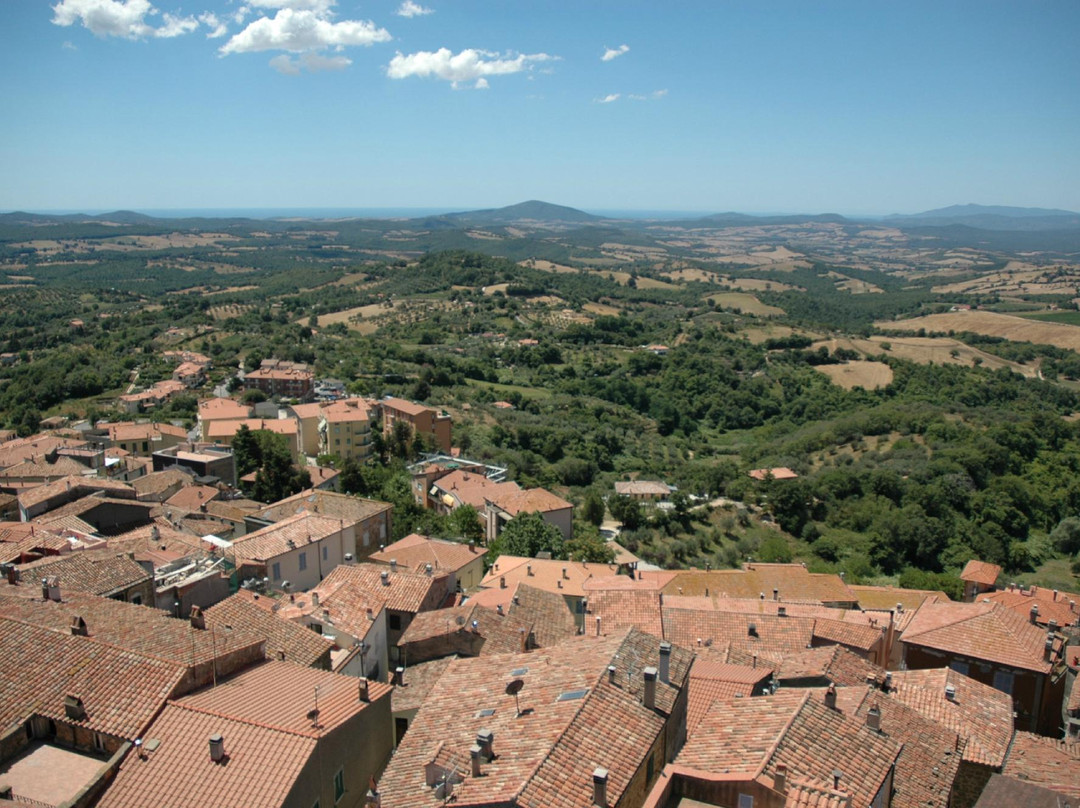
(526, 535)
(627, 510)
(246, 453)
(587, 545)
(253, 396)
(593, 508)
(464, 521)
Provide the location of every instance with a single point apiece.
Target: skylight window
(485, 713)
(519, 671)
(571, 695)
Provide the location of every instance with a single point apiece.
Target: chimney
(611, 674)
(474, 756)
(528, 569)
(873, 719)
(485, 739)
(393, 565)
(398, 676)
(428, 570)
(12, 575)
(314, 600)
(524, 639)
(775, 593)
(565, 575)
(197, 619)
(899, 608)
(650, 688)
(780, 778)
(597, 625)
(78, 627)
(74, 708)
(348, 558)
(281, 655)
(1052, 626)
(559, 584)
(1055, 594)
(472, 545)
(502, 582)
(599, 787)
(830, 697)
(1049, 647)
(950, 692)
(362, 687)
(499, 609)
(385, 577)
(886, 683)
(665, 662)
(1034, 614)
(836, 776)
(217, 747)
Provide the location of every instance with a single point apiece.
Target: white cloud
(613, 53)
(304, 30)
(655, 95)
(411, 9)
(216, 26)
(310, 61)
(469, 65)
(68, 45)
(607, 99)
(481, 84)
(122, 18)
(176, 26)
(319, 6)
(241, 15)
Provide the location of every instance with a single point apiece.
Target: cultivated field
(926, 351)
(547, 266)
(858, 373)
(747, 304)
(1017, 329)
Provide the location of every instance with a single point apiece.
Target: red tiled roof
(770, 635)
(561, 577)
(407, 407)
(301, 645)
(1064, 607)
(285, 536)
(714, 681)
(833, 663)
(792, 581)
(415, 552)
(403, 592)
(981, 715)
(550, 616)
(95, 572)
(191, 497)
(778, 473)
(470, 488)
(417, 682)
(502, 634)
(620, 609)
(531, 500)
(263, 764)
(980, 631)
(980, 572)
(1046, 762)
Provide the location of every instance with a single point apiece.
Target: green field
(1066, 317)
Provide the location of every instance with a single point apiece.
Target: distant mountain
(990, 217)
(732, 219)
(116, 217)
(533, 210)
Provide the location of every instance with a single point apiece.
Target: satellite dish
(514, 687)
(460, 620)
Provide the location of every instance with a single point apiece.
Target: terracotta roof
(138, 629)
(712, 681)
(124, 431)
(1006, 792)
(642, 488)
(980, 572)
(222, 409)
(471, 488)
(501, 634)
(1064, 607)
(407, 407)
(285, 536)
(654, 580)
(1045, 762)
(415, 552)
(778, 473)
(550, 616)
(792, 581)
(279, 373)
(279, 695)
(417, 683)
(762, 634)
(226, 428)
(882, 598)
(95, 572)
(157, 538)
(325, 503)
(356, 586)
(301, 645)
(794, 728)
(981, 715)
(561, 577)
(531, 500)
(620, 609)
(158, 482)
(981, 631)
(931, 755)
(18, 451)
(72, 488)
(192, 496)
(832, 663)
(40, 467)
(120, 691)
(263, 764)
(547, 759)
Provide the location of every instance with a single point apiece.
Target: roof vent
(611, 674)
(217, 747)
(565, 574)
(348, 558)
(830, 697)
(775, 593)
(50, 589)
(428, 569)
(499, 609)
(781, 611)
(74, 708)
(385, 577)
(78, 627)
(528, 569)
(751, 630)
(502, 582)
(837, 775)
(950, 692)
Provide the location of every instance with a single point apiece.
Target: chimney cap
(600, 775)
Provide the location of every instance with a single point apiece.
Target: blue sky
(852, 107)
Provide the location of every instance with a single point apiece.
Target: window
(136, 599)
(746, 801)
(275, 571)
(1003, 681)
(325, 553)
(99, 742)
(650, 769)
(339, 785)
(395, 622)
(960, 667)
(145, 446)
(303, 562)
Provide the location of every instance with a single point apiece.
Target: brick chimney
(502, 582)
(873, 719)
(780, 778)
(599, 787)
(665, 662)
(485, 739)
(1034, 614)
(830, 697)
(474, 757)
(74, 708)
(649, 695)
(197, 619)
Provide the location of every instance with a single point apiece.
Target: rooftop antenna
(313, 714)
(512, 689)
